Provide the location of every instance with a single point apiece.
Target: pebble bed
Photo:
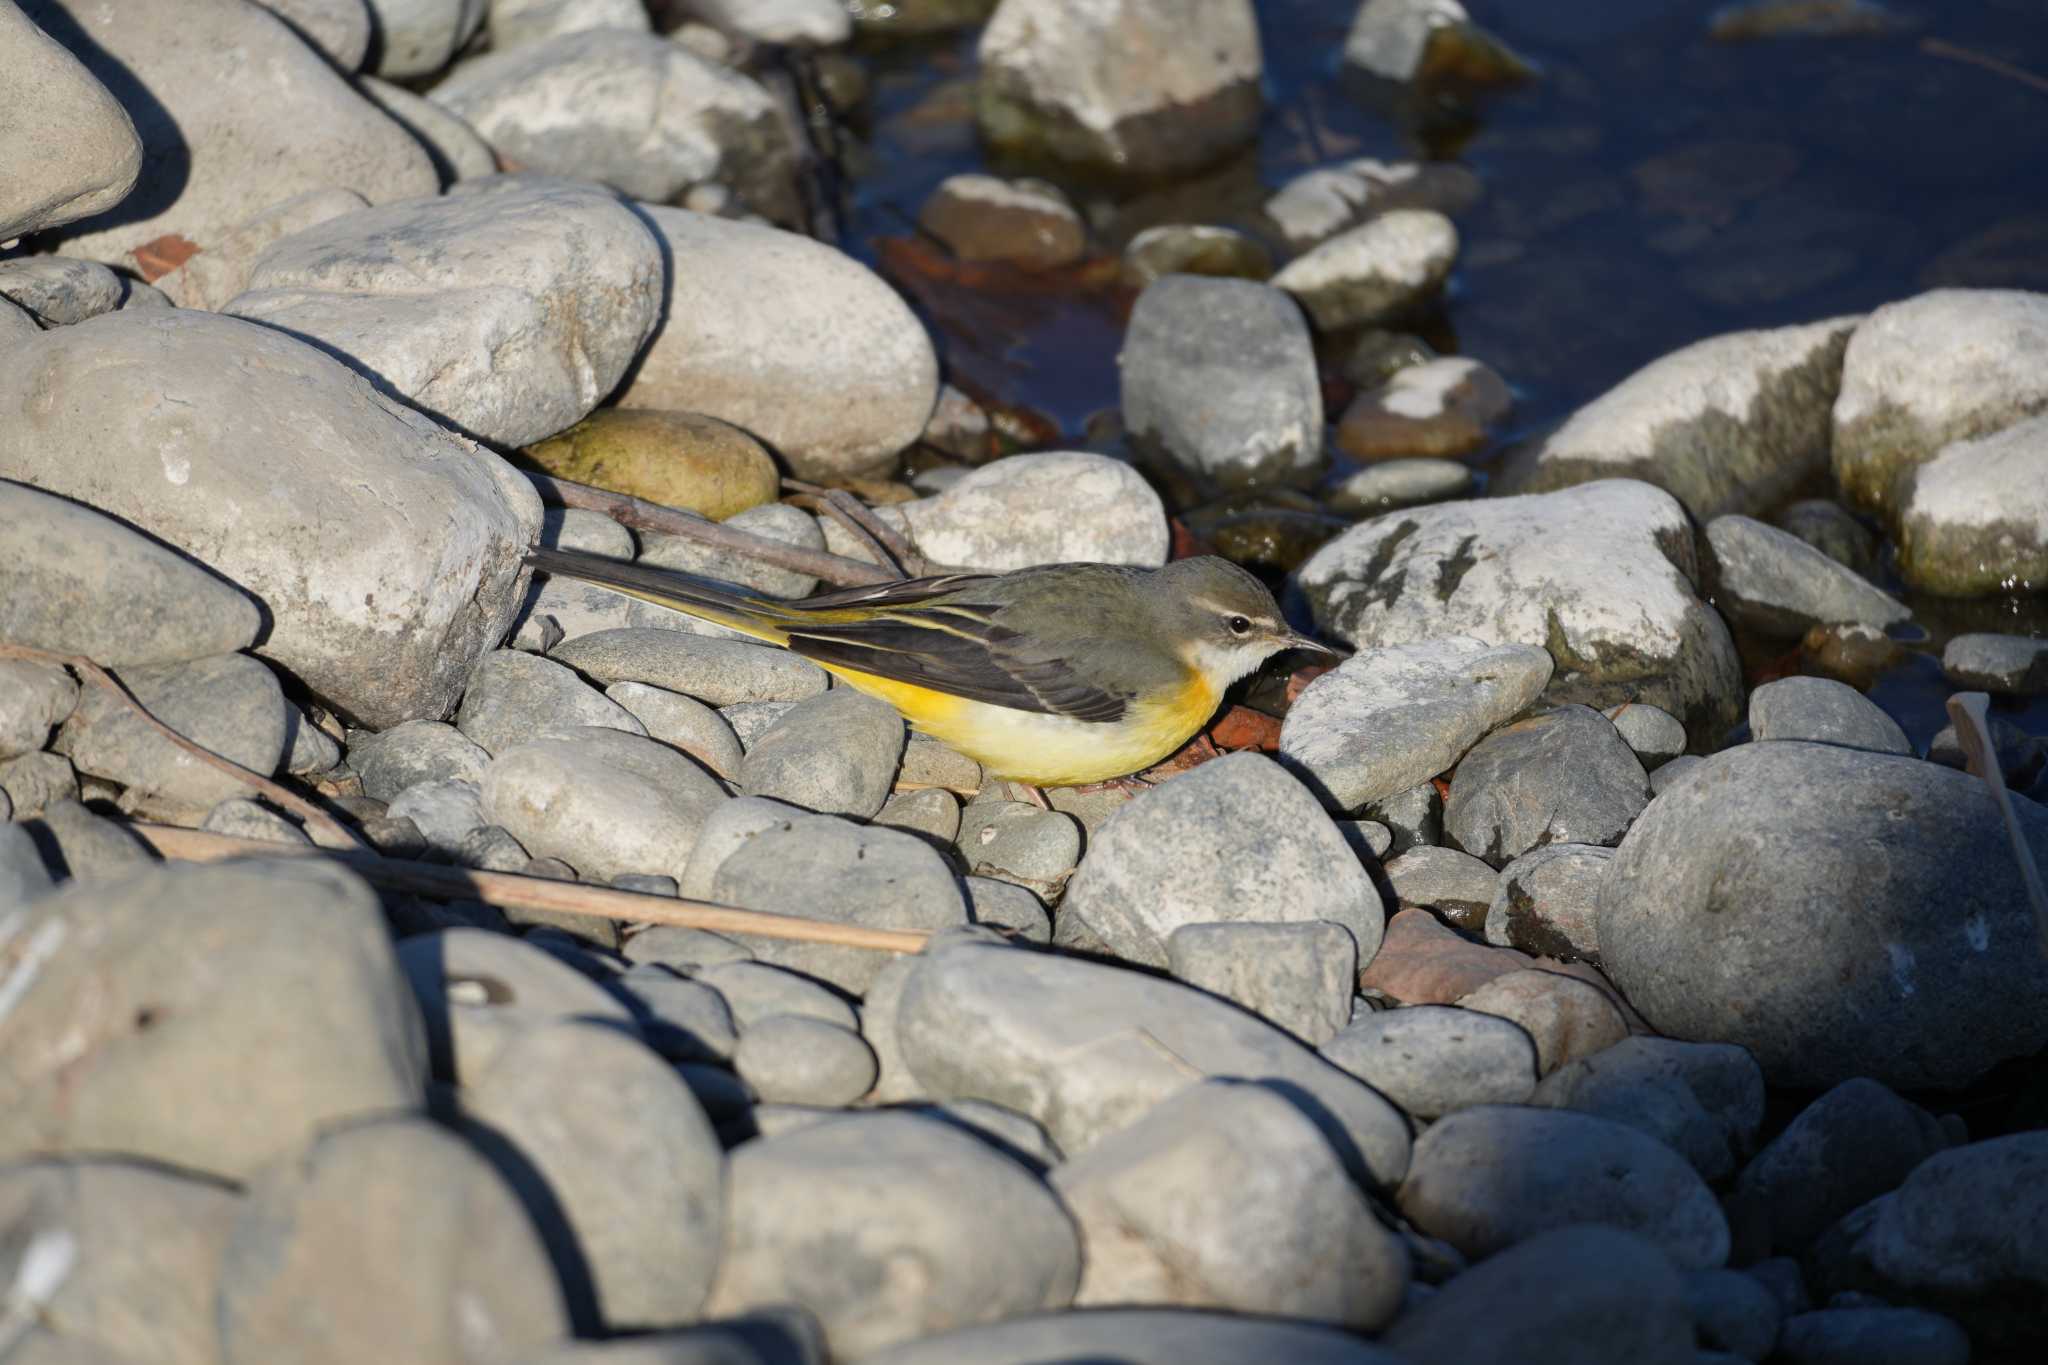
(1533, 989)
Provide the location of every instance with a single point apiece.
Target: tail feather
(760, 617)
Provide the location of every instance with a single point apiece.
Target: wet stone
(1379, 270)
(1832, 529)
(1389, 485)
(1219, 378)
(1193, 249)
(1441, 409)
(2016, 664)
(1024, 222)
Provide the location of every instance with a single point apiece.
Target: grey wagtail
(1056, 676)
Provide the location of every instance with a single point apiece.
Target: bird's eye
(1239, 625)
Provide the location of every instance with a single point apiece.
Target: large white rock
(216, 275)
(223, 139)
(630, 109)
(1734, 423)
(509, 310)
(1049, 508)
(1937, 368)
(384, 548)
(1974, 519)
(416, 37)
(1603, 576)
(802, 345)
(71, 151)
(1125, 85)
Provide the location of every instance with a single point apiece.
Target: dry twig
(847, 508)
(283, 796)
(509, 890)
(643, 515)
(1936, 47)
(1971, 714)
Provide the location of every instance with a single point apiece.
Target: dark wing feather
(960, 649)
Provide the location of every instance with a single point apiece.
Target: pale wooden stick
(511, 891)
(283, 796)
(643, 515)
(895, 544)
(1971, 713)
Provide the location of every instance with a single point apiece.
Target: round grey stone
(1562, 777)
(1434, 1060)
(1547, 902)
(413, 752)
(1749, 905)
(515, 697)
(796, 1059)
(835, 754)
(1489, 1177)
(1653, 733)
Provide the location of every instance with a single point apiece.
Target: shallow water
(1654, 185)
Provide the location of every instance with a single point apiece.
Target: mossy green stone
(678, 459)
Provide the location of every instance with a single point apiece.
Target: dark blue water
(1654, 185)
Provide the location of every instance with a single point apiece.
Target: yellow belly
(1045, 750)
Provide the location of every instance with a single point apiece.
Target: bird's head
(1223, 620)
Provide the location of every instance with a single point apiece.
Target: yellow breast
(1047, 750)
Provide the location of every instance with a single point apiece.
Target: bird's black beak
(1294, 639)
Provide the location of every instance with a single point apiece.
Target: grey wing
(960, 649)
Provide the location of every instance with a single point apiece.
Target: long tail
(761, 617)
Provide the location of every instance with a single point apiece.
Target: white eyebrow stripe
(1213, 605)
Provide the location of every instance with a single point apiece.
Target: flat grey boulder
(877, 1225)
(755, 315)
(509, 311)
(1921, 374)
(1777, 899)
(1219, 378)
(1177, 1209)
(1602, 575)
(1235, 839)
(603, 801)
(1973, 521)
(1487, 1178)
(1563, 777)
(1088, 1049)
(1825, 712)
(211, 158)
(74, 151)
(1773, 581)
(1125, 87)
(221, 438)
(1731, 424)
(73, 581)
(628, 109)
(1386, 719)
(277, 976)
